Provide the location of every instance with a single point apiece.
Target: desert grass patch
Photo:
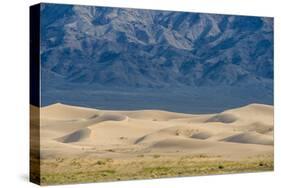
(145, 167)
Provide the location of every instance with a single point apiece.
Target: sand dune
(251, 138)
(223, 118)
(156, 115)
(239, 132)
(76, 136)
(66, 112)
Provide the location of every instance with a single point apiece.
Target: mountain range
(86, 46)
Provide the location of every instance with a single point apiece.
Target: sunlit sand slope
(236, 133)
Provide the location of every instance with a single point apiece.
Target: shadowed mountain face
(85, 48)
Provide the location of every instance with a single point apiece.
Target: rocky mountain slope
(140, 48)
(90, 47)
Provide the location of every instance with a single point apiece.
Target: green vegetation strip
(63, 171)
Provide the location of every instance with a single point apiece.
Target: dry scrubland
(86, 145)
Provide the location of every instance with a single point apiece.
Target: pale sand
(235, 134)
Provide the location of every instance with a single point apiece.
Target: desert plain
(79, 144)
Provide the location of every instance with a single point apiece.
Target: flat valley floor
(80, 144)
